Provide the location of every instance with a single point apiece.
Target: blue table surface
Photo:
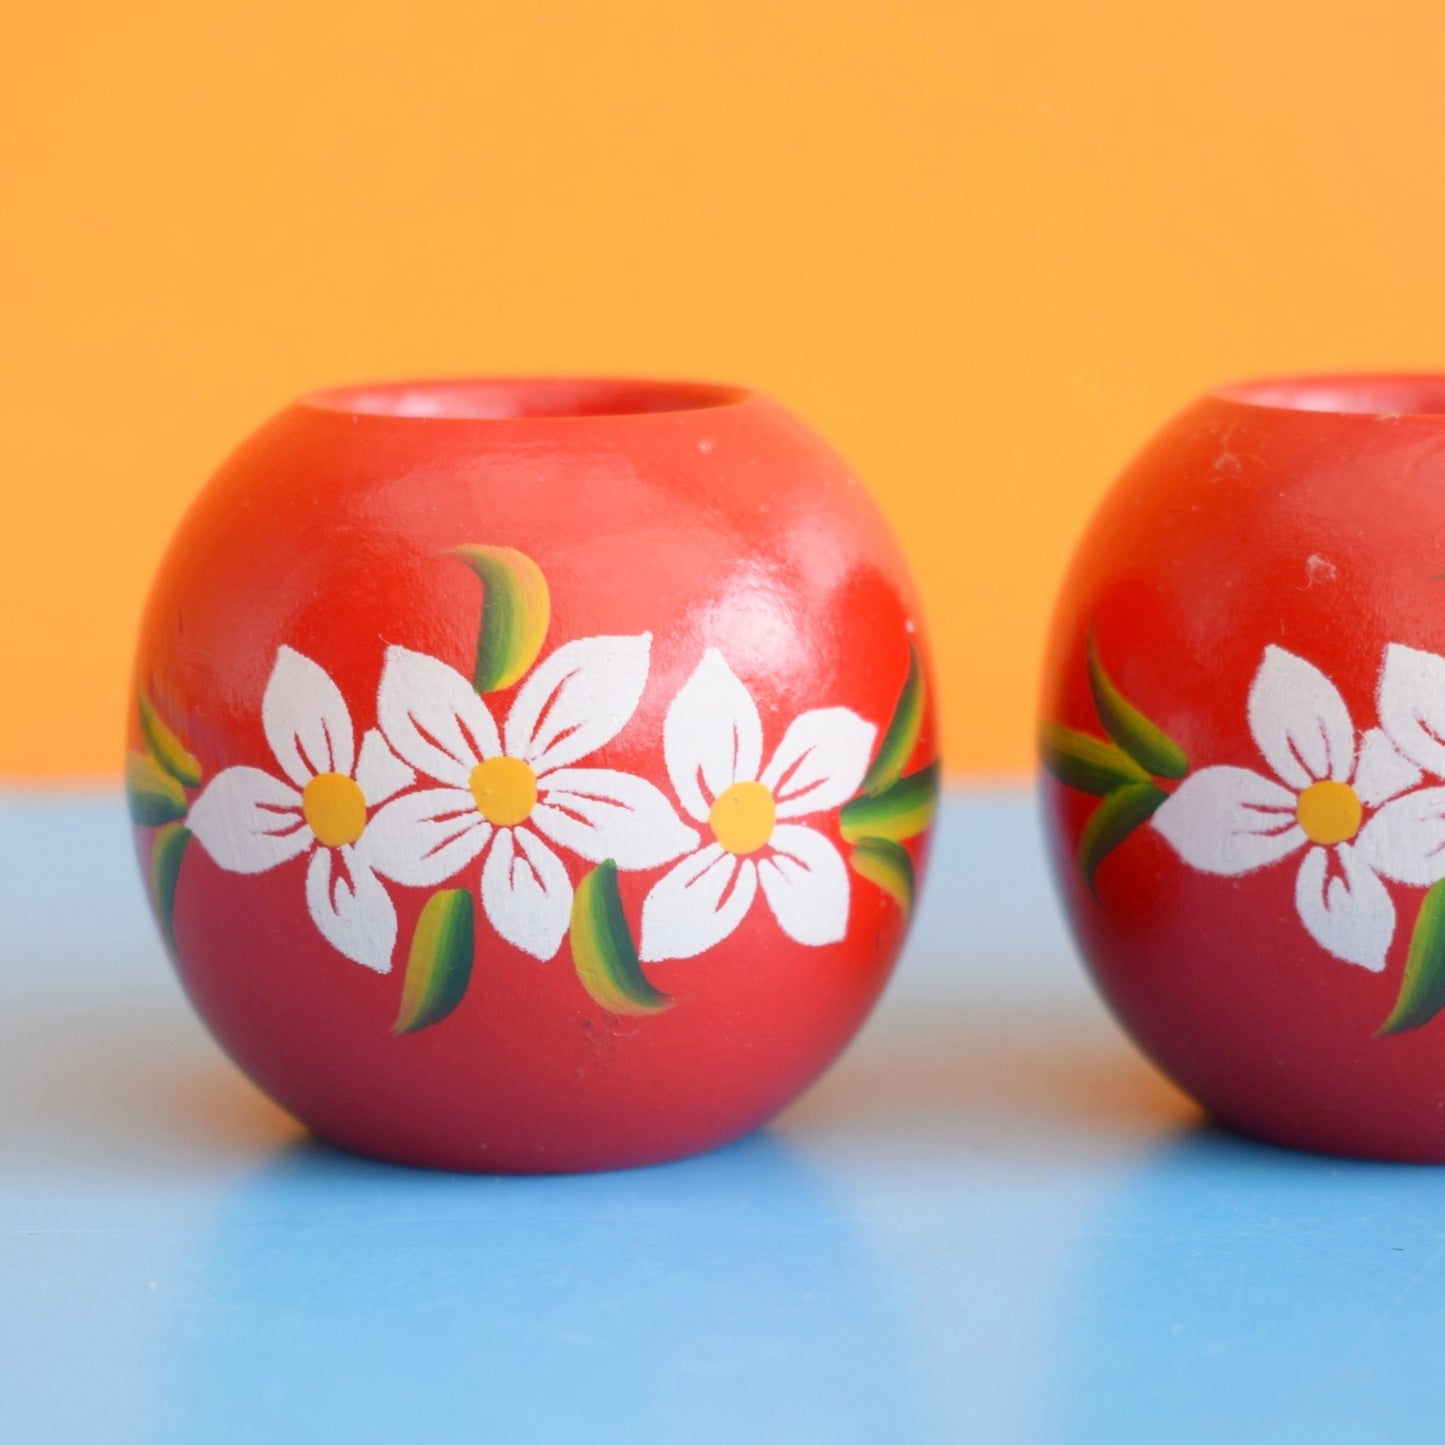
(992, 1221)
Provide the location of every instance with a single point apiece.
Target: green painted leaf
(167, 851)
(603, 952)
(1422, 991)
(1089, 764)
(1113, 821)
(1153, 749)
(516, 610)
(166, 748)
(439, 966)
(154, 797)
(902, 734)
(886, 863)
(901, 811)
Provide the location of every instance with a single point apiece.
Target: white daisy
(250, 821)
(512, 794)
(1328, 798)
(713, 742)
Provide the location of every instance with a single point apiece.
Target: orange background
(984, 249)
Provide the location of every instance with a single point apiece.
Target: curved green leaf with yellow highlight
(902, 733)
(1153, 749)
(167, 851)
(603, 952)
(516, 610)
(901, 811)
(439, 965)
(1422, 990)
(165, 747)
(1086, 763)
(152, 794)
(1113, 821)
(886, 863)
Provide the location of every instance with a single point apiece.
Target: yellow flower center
(1329, 812)
(505, 790)
(743, 817)
(334, 809)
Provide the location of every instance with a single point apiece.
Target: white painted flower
(518, 790)
(1341, 805)
(250, 821)
(713, 743)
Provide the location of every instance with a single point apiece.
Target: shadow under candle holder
(726, 1297)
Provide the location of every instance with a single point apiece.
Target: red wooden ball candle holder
(533, 775)
(1243, 729)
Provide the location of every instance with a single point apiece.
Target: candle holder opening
(520, 398)
(1412, 394)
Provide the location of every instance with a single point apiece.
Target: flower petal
(526, 892)
(306, 719)
(712, 736)
(1405, 840)
(421, 839)
(380, 774)
(820, 762)
(1300, 721)
(432, 718)
(1347, 912)
(581, 697)
(696, 904)
(249, 821)
(806, 885)
(599, 813)
(1229, 821)
(1382, 771)
(351, 908)
(1412, 705)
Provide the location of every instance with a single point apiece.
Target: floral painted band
(442, 786)
(1352, 811)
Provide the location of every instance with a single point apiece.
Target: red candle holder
(1244, 737)
(533, 775)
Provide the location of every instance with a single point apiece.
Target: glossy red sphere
(533, 775)
(1243, 729)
